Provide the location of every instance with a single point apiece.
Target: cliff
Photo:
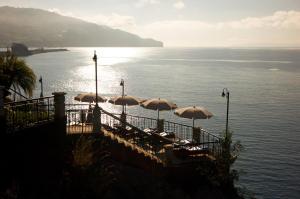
(36, 27)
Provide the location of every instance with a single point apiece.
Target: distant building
(19, 49)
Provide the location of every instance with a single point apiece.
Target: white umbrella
(158, 104)
(126, 100)
(193, 112)
(88, 97)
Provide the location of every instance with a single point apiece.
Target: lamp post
(122, 84)
(41, 81)
(123, 115)
(96, 112)
(96, 76)
(225, 93)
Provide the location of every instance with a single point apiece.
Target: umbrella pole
(193, 122)
(157, 114)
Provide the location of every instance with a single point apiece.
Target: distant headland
(22, 50)
(36, 27)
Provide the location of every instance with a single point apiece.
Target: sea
(264, 106)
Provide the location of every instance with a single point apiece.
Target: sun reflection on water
(83, 75)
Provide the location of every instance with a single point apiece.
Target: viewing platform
(168, 144)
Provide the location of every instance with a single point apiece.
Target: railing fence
(26, 113)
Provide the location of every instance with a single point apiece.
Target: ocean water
(264, 87)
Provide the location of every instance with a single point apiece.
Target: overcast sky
(189, 22)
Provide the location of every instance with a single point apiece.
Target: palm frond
(15, 71)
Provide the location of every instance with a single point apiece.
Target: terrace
(172, 144)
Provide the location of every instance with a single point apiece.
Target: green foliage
(230, 152)
(219, 173)
(14, 72)
(91, 172)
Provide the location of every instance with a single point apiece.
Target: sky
(189, 23)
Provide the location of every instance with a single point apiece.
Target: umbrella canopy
(88, 97)
(124, 100)
(159, 105)
(193, 112)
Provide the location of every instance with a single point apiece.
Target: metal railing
(149, 142)
(79, 118)
(141, 122)
(78, 122)
(184, 133)
(27, 113)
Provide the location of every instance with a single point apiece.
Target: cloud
(142, 3)
(282, 28)
(280, 19)
(114, 20)
(64, 13)
(179, 5)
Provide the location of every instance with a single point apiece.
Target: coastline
(35, 51)
(50, 50)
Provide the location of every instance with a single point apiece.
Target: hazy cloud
(280, 29)
(114, 20)
(179, 5)
(142, 3)
(64, 13)
(280, 19)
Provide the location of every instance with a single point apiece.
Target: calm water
(264, 106)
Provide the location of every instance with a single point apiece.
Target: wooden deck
(79, 128)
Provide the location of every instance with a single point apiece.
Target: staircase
(131, 154)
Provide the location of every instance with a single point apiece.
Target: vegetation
(220, 173)
(16, 74)
(90, 171)
(229, 155)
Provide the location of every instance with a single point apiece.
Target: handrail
(117, 125)
(20, 94)
(183, 132)
(19, 115)
(171, 122)
(175, 123)
(130, 125)
(27, 101)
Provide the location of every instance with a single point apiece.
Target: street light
(225, 93)
(123, 115)
(96, 112)
(122, 84)
(96, 76)
(41, 81)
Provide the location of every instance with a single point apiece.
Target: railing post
(196, 134)
(160, 125)
(123, 120)
(2, 116)
(59, 114)
(96, 119)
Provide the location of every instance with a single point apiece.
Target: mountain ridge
(37, 27)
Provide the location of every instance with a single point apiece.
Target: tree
(16, 74)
